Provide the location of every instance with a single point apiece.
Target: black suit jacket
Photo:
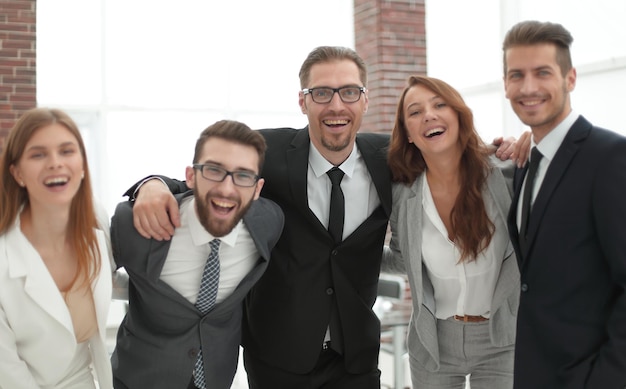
(159, 338)
(571, 330)
(288, 310)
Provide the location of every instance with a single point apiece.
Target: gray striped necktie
(206, 300)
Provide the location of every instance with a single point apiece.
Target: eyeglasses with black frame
(216, 173)
(324, 95)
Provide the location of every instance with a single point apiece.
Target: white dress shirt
(359, 192)
(357, 186)
(190, 249)
(464, 288)
(548, 147)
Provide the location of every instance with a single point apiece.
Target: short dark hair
(532, 32)
(324, 54)
(233, 131)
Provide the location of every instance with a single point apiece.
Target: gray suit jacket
(405, 255)
(159, 338)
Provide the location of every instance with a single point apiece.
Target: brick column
(17, 61)
(390, 35)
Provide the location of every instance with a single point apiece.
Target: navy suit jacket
(571, 330)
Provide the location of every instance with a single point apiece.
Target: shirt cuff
(134, 196)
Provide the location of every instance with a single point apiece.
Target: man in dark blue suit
(571, 237)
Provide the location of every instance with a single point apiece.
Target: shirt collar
(320, 165)
(199, 235)
(553, 139)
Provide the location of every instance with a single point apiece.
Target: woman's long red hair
(472, 228)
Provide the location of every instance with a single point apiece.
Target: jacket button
(193, 352)
(524, 287)
(329, 291)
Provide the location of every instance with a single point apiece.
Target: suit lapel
(24, 261)
(298, 162)
(518, 178)
(414, 217)
(376, 162)
(507, 281)
(557, 168)
(156, 259)
(255, 221)
(157, 254)
(101, 289)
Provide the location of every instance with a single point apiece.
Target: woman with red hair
(449, 234)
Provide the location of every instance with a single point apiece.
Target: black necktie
(206, 301)
(335, 227)
(335, 221)
(535, 157)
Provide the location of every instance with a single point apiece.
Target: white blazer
(37, 340)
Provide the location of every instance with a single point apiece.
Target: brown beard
(341, 145)
(217, 228)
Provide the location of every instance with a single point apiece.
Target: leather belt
(470, 318)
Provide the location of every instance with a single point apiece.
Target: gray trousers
(465, 348)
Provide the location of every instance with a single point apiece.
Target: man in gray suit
(183, 330)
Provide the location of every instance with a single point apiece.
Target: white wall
(464, 40)
(144, 77)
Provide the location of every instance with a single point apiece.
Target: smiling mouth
(531, 103)
(335, 123)
(222, 206)
(434, 132)
(59, 181)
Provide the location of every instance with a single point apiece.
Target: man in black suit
(309, 322)
(571, 238)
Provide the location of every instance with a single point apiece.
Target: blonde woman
(55, 274)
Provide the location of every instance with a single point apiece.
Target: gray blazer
(159, 338)
(404, 254)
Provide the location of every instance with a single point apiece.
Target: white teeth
(223, 204)
(56, 181)
(434, 131)
(335, 122)
(529, 103)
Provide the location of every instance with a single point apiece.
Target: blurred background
(144, 77)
